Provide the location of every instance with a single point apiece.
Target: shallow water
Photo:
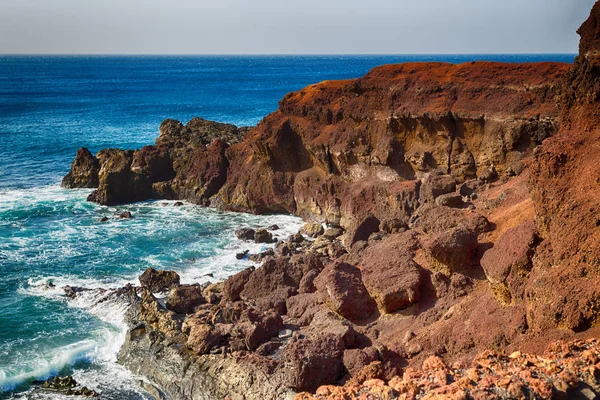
(51, 106)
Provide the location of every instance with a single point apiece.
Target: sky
(290, 27)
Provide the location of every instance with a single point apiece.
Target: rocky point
(453, 230)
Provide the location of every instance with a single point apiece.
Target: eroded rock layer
(462, 208)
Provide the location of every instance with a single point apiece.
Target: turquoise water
(51, 106)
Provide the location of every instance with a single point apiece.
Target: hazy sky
(283, 26)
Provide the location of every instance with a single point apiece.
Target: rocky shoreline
(452, 236)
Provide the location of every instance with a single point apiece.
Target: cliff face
(565, 187)
(342, 151)
(470, 199)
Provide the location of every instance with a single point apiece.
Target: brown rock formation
(454, 229)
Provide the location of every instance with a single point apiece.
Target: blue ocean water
(51, 106)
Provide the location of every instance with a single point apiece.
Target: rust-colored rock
(343, 291)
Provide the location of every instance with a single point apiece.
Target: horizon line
(274, 54)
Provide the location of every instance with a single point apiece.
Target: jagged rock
(312, 362)
(342, 290)
(272, 275)
(161, 319)
(367, 227)
(158, 280)
(256, 328)
(184, 299)
(103, 219)
(72, 291)
(241, 255)
(84, 171)
(263, 236)
(214, 293)
(303, 307)
(245, 234)
(435, 185)
(312, 229)
(126, 215)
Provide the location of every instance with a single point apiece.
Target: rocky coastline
(452, 235)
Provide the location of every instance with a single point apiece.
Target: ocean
(50, 107)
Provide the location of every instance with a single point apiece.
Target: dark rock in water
(184, 299)
(103, 219)
(245, 234)
(273, 228)
(125, 215)
(241, 255)
(68, 386)
(119, 183)
(178, 204)
(158, 280)
(84, 171)
(263, 236)
(72, 291)
(261, 256)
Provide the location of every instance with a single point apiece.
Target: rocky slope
(462, 208)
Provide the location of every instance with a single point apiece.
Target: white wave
(47, 365)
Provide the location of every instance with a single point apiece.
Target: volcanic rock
(343, 291)
(158, 280)
(84, 171)
(183, 299)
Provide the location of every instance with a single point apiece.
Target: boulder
(394, 285)
(342, 290)
(453, 200)
(357, 359)
(327, 322)
(158, 280)
(263, 236)
(235, 284)
(312, 229)
(454, 250)
(184, 299)
(204, 337)
(257, 327)
(435, 219)
(275, 273)
(126, 215)
(241, 255)
(312, 362)
(507, 264)
(303, 307)
(245, 234)
(84, 171)
(213, 293)
(434, 185)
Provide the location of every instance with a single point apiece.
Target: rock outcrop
(461, 204)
